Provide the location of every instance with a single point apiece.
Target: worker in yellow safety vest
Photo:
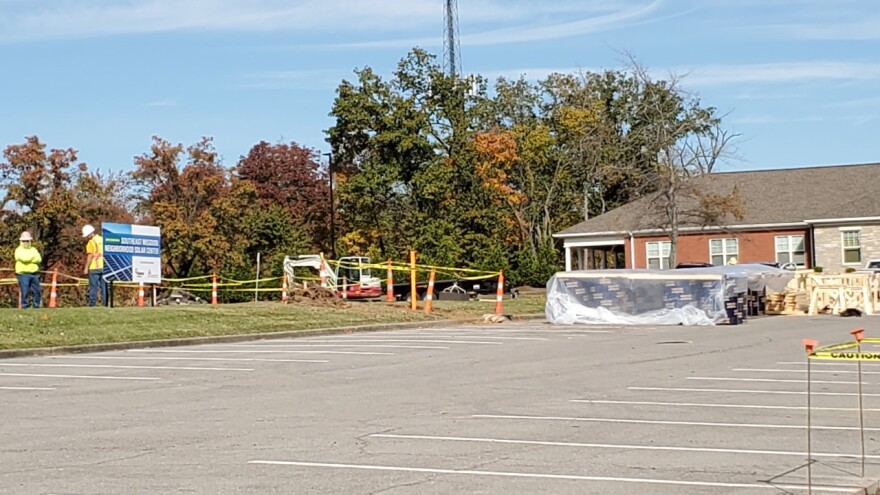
(27, 270)
(94, 265)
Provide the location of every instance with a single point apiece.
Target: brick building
(818, 216)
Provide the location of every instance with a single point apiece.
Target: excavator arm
(314, 261)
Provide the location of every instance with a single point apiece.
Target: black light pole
(332, 208)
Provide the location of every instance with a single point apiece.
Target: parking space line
(746, 391)
(374, 346)
(543, 331)
(88, 377)
(731, 406)
(343, 339)
(27, 388)
(664, 422)
(771, 380)
(127, 367)
(570, 477)
(623, 447)
(818, 363)
(234, 351)
(476, 337)
(767, 370)
(187, 358)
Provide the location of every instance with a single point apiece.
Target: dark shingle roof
(782, 196)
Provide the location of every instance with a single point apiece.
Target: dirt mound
(317, 296)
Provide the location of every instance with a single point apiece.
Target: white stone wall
(829, 246)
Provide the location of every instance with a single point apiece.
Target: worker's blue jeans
(27, 283)
(95, 280)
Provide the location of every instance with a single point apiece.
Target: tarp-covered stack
(693, 296)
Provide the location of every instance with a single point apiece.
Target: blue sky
(797, 79)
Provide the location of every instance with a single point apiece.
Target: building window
(852, 246)
(658, 255)
(722, 251)
(791, 249)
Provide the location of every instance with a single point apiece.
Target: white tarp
(694, 296)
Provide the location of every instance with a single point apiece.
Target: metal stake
(809, 426)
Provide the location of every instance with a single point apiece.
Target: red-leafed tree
(289, 176)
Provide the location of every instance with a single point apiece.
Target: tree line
(466, 174)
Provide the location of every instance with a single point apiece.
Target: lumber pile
(782, 303)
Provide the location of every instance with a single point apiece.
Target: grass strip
(34, 328)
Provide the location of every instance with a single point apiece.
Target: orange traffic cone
(321, 272)
(499, 293)
(345, 287)
(140, 294)
(284, 288)
(429, 296)
(53, 292)
(214, 290)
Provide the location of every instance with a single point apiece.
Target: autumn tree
(39, 195)
(198, 204)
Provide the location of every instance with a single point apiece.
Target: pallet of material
(782, 303)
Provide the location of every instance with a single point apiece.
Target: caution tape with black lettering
(847, 356)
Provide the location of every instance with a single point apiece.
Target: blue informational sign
(132, 253)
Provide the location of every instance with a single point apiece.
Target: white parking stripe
(373, 346)
(188, 358)
(343, 339)
(624, 447)
(731, 406)
(488, 337)
(817, 363)
(772, 380)
(27, 388)
(745, 391)
(662, 422)
(372, 467)
(128, 367)
(763, 370)
(88, 377)
(543, 331)
(233, 351)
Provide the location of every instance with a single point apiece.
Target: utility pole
(332, 207)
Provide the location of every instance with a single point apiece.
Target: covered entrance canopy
(595, 254)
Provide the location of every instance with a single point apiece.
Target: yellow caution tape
(201, 277)
(846, 356)
(261, 289)
(837, 347)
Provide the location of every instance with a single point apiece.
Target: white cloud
(862, 29)
(786, 72)
(769, 119)
(624, 16)
(23, 21)
(300, 79)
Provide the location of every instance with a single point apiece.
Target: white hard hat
(88, 230)
(26, 236)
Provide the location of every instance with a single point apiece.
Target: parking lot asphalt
(520, 407)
